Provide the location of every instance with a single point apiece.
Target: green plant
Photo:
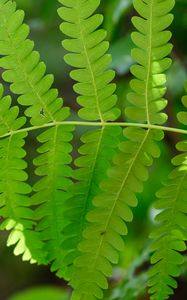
(75, 218)
(41, 292)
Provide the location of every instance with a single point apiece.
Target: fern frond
(96, 96)
(171, 233)
(152, 44)
(25, 72)
(88, 55)
(97, 152)
(27, 76)
(107, 221)
(51, 189)
(93, 265)
(14, 201)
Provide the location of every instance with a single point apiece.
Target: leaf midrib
(26, 76)
(149, 49)
(117, 197)
(89, 63)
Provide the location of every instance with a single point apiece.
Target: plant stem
(96, 124)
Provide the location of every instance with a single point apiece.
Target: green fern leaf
(152, 44)
(107, 221)
(27, 76)
(101, 241)
(170, 234)
(96, 96)
(25, 72)
(79, 226)
(14, 201)
(97, 152)
(88, 55)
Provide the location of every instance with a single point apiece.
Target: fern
(98, 101)
(76, 218)
(153, 47)
(90, 58)
(98, 152)
(102, 236)
(14, 200)
(170, 235)
(112, 210)
(27, 76)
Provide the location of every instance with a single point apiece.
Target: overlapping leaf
(171, 233)
(97, 152)
(107, 221)
(151, 54)
(79, 227)
(87, 47)
(27, 76)
(96, 96)
(102, 239)
(14, 201)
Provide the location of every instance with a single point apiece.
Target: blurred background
(22, 281)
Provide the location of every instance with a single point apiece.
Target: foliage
(134, 284)
(41, 292)
(74, 217)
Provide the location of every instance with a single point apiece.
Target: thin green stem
(149, 62)
(95, 124)
(90, 67)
